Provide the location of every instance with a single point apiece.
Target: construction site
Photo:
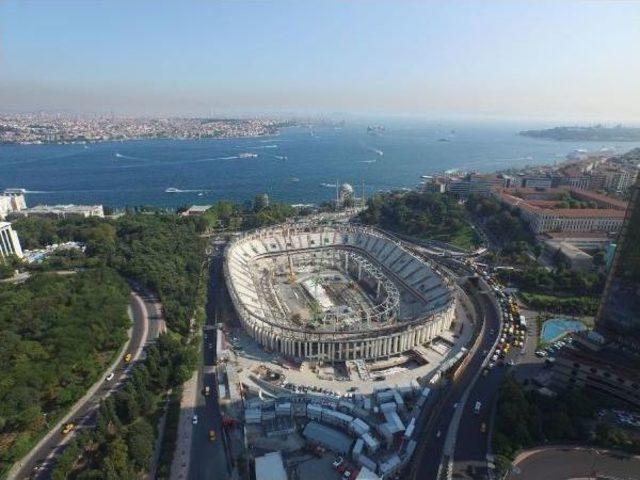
(340, 330)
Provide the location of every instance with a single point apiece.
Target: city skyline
(555, 61)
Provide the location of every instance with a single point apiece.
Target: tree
(140, 440)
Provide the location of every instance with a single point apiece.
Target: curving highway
(561, 463)
(449, 399)
(147, 324)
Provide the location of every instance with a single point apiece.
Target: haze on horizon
(546, 60)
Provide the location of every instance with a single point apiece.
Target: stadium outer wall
(295, 342)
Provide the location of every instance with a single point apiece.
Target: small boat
(172, 190)
(248, 155)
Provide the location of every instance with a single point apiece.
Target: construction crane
(287, 240)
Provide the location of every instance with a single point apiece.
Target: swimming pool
(558, 327)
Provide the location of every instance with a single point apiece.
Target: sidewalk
(182, 455)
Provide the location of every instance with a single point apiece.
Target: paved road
(146, 319)
(472, 445)
(429, 453)
(208, 460)
(562, 463)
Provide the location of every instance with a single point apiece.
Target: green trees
(79, 327)
(57, 335)
(504, 224)
(430, 215)
(527, 418)
(165, 254)
(562, 291)
(121, 445)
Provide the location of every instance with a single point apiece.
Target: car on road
(110, 376)
(68, 427)
(127, 358)
(337, 462)
(207, 390)
(483, 427)
(212, 435)
(438, 433)
(477, 407)
(194, 419)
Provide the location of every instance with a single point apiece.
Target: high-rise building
(619, 313)
(9, 242)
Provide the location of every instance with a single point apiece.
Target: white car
(194, 420)
(110, 376)
(337, 462)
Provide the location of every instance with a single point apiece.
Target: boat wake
(127, 157)
(377, 151)
(262, 147)
(180, 190)
(328, 185)
(368, 161)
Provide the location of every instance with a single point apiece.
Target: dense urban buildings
(565, 209)
(37, 129)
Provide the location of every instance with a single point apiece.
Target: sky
(543, 59)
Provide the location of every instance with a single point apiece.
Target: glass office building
(619, 314)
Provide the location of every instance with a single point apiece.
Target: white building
(9, 242)
(11, 202)
(64, 211)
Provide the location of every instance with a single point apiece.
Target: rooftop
(270, 467)
(328, 436)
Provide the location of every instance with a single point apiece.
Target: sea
(300, 165)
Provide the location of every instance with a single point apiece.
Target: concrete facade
(9, 242)
(390, 265)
